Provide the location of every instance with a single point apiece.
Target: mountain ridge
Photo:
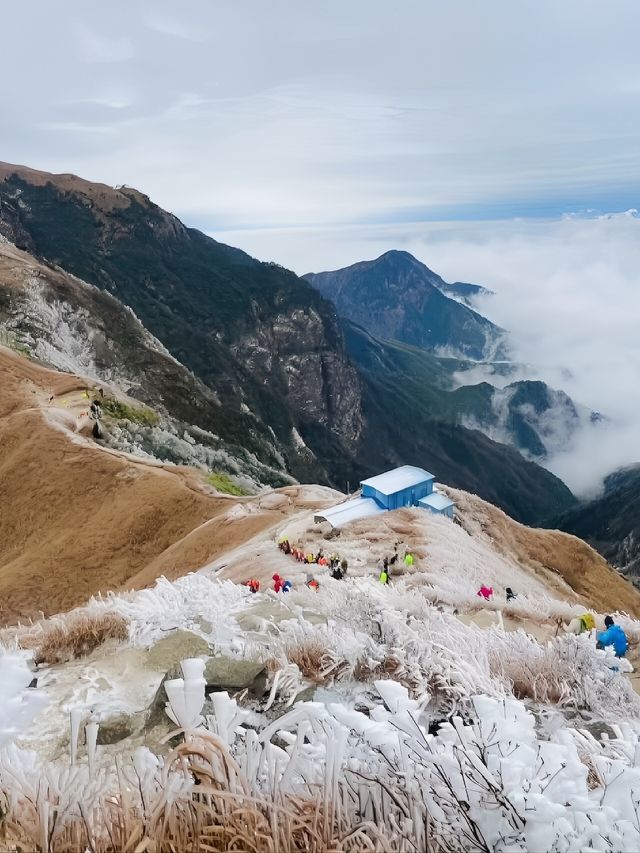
(264, 342)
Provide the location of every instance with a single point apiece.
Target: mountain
(409, 411)
(259, 337)
(528, 415)
(64, 322)
(237, 356)
(462, 291)
(395, 297)
(611, 522)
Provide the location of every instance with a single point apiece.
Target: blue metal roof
(436, 501)
(398, 479)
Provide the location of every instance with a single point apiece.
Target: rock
(233, 674)
(221, 673)
(122, 726)
(306, 695)
(597, 728)
(176, 647)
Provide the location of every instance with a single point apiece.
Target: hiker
(312, 583)
(337, 574)
(277, 583)
(394, 559)
(286, 586)
(581, 624)
(485, 592)
(408, 559)
(254, 585)
(344, 565)
(384, 577)
(613, 636)
(511, 596)
(310, 558)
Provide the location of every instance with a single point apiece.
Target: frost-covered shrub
(65, 638)
(328, 777)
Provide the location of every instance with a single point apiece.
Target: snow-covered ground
(439, 721)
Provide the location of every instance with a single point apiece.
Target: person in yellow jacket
(408, 559)
(581, 624)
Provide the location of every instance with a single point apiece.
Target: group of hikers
(387, 565)
(337, 566)
(613, 635)
(486, 592)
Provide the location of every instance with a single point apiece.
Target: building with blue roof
(402, 487)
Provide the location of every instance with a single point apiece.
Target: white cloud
(316, 134)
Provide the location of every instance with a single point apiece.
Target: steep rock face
(317, 381)
(611, 522)
(398, 298)
(254, 333)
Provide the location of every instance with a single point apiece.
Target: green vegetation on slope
(223, 483)
(124, 412)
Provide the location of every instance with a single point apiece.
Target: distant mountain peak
(397, 297)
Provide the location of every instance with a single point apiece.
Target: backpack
(588, 622)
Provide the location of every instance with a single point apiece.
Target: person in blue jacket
(613, 636)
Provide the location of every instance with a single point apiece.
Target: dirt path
(76, 518)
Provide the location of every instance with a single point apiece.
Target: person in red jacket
(254, 585)
(277, 583)
(485, 592)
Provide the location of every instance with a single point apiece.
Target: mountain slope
(264, 352)
(611, 522)
(402, 410)
(396, 297)
(258, 336)
(529, 416)
(73, 326)
(76, 518)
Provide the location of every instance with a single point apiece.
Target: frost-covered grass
(327, 777)
(63, 639)
(428, 732)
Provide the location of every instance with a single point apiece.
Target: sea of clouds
(568, 291)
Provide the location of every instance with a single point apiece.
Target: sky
(490, 137)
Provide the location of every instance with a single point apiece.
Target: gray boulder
(173, 648)
(120, 727)
(221, 674)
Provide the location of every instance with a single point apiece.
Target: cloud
(568, 292)
(97, 47)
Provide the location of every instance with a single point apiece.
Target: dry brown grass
(221, 813)
(61, 640)
(315, 661)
